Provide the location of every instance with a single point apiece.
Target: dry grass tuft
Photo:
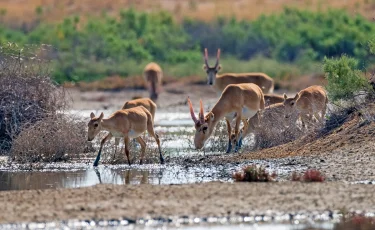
(254, 173)
(52, 139)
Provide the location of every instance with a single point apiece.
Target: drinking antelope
(153, 76)
(308, 103)
(271, 120)
(126, 123)
(243, 99)
(221, 81)
(145, 102)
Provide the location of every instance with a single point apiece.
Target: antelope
(126, 123)
(271, 99)
(221, 81)
(271, 119)
(145, 102)
(153, 76)
(243, 99)
(308, 103)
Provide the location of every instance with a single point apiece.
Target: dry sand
(202, 200)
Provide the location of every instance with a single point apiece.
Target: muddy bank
(347, 153)
(204, 200)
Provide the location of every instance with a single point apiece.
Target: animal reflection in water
(128, 176)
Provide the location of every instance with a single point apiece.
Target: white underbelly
(134, 134)
(131, 134)
(246, 113)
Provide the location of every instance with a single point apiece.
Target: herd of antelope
(245, 97)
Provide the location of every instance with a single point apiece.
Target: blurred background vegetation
(285, 39)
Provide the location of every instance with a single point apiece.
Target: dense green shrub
(344, 80)
(106, 45)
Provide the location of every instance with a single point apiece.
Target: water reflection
(147, 174)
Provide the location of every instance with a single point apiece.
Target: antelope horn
(217, 57)
(196, 121)
(206, 57)
(201, 112)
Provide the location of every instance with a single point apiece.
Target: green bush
(281, 45)
(344, 80)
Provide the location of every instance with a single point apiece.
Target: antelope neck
(105, 124)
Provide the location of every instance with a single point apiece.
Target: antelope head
(211, 71)
(290, 105)
(203, 125)
(94, 126)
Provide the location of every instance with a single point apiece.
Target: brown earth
(202, 200)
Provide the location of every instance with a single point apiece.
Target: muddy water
(176, 132)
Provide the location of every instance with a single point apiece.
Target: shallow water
(145, 174)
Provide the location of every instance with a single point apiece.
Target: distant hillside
(25, 13)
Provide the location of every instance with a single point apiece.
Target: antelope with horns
(153, 75)
(145, 102)
(127, 123)
(243, 99)
(308, 103)
(221, 81)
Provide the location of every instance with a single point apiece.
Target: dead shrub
(32, 127)
(27, 93)
(52, 139)
(253, 173)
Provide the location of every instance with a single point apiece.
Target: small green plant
(254, 173)
(344, 80)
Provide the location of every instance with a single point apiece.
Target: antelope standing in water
(243, 99)
(145, 102)
(307, 103)
(221, 81)
(153, 76)
(127, 123)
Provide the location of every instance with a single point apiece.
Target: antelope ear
(205, 67)
(212, 116)
(296, 97)
(285, 97)
(218, 68)
(92, 115)
(101, 116)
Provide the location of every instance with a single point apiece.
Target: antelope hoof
(95, 164)
(140, 162)
(129, 163)
(162, 161)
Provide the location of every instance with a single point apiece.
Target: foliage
(290, 36)
(344, 80)
(254, 173)
(121, 45)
